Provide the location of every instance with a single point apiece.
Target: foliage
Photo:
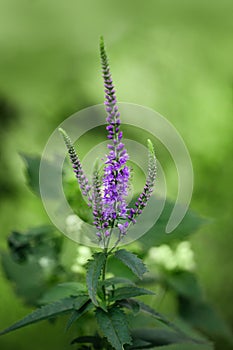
(112, 306)
(117, 295)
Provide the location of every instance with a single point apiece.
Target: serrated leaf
(94, 268)
(48, 311)
(135, 264)
(114, 327)
(129, 292)
(79, 313)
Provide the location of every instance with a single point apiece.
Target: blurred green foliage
(173, 56)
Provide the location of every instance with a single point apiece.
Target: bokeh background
(174, 56)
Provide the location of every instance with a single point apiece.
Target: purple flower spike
(109, 190)
(116, 173)
(144, 197)
(77, 166)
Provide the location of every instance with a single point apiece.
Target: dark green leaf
(128, 292)
(23, 244)
(86, 339)
(177, 346)
(161, 337)
(114, 327)
(28, 278)
(138, 344)
(49, 311)
(132, 261)
(76, 314)
(94, 268)
(33, 262)
(130, 304)
(157, 336)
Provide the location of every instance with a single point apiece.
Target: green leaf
(32, 173)
(187, 346)
(142, 345)
(130, 304)
(129, 292)
(116, 280)
(147, 309)
(23, 244)
(96, 341)
(76, 314)
(63, 290)
(185, 283)
(114, 327)
(157, 235)
(157, 338)
(132, 262)
(33, 262)
(49, 311)
(94, 268)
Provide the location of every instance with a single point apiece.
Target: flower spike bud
(116, 172)
(149, 185)
(77, 166)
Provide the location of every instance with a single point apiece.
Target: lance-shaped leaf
(48, 311)
(129, 292)
(94, 268)
(132, 261)
(114, 327)
(158, 337)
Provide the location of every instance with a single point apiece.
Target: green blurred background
(171, 55)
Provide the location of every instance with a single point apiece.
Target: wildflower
(116, 172)
(108, 192)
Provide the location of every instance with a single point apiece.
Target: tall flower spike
(82, 179)
(149, 185)
(116, 172)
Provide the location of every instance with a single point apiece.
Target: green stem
(104, 273)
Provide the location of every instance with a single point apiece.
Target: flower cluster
(116, 172)
(108, 192)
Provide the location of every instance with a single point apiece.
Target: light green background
(174, 56)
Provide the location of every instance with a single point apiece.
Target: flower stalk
(108, 191)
